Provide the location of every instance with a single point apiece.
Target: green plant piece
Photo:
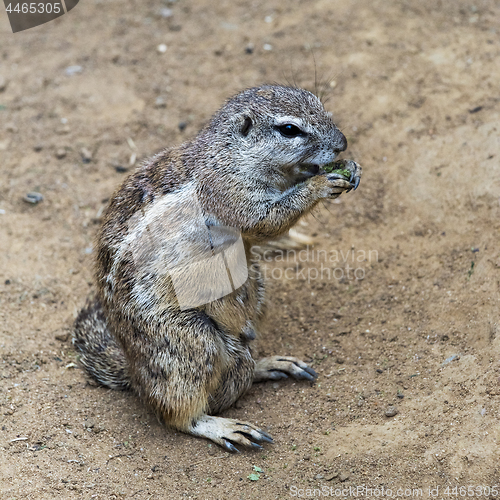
(471, 270)
(337, 167)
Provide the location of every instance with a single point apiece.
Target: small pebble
(400, 395)
(319, 476)
(162, 48)
(267, 46)
(307, 457)
(331, 476)
(249, 48)
(450, 359)
(3, 83)
(89, 424)
(344, 476)
(60, 153)
(120, 169)
(37, 147)
(62, 337)
(160, 102)
(33, 198)
(73, 70)
(392, 411)
(10, 127)
(166, 12)
(86, 155)
(182, 126)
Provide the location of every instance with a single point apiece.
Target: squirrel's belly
(239, 313)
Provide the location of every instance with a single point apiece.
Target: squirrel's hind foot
(276, 367)
(227, 432)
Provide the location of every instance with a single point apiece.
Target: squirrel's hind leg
(276, 367)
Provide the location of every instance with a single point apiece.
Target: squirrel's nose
(341, 143)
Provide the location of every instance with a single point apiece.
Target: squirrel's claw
(229, 446)
(253, 433)
(310, 371)
(356, 172)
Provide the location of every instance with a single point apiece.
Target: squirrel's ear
(247, 125)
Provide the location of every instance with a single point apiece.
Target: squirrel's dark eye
(289, 130)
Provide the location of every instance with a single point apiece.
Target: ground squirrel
(165, 322)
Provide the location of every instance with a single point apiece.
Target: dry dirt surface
(396, 305)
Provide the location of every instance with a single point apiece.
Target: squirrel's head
(278, 131)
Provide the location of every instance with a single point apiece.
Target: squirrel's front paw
(336, 178)
(346, 169)
(226, 431)
(277, 367)
(343, 172)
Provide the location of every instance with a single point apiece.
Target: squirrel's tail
(99, 352)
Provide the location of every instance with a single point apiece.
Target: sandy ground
(408, 317)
